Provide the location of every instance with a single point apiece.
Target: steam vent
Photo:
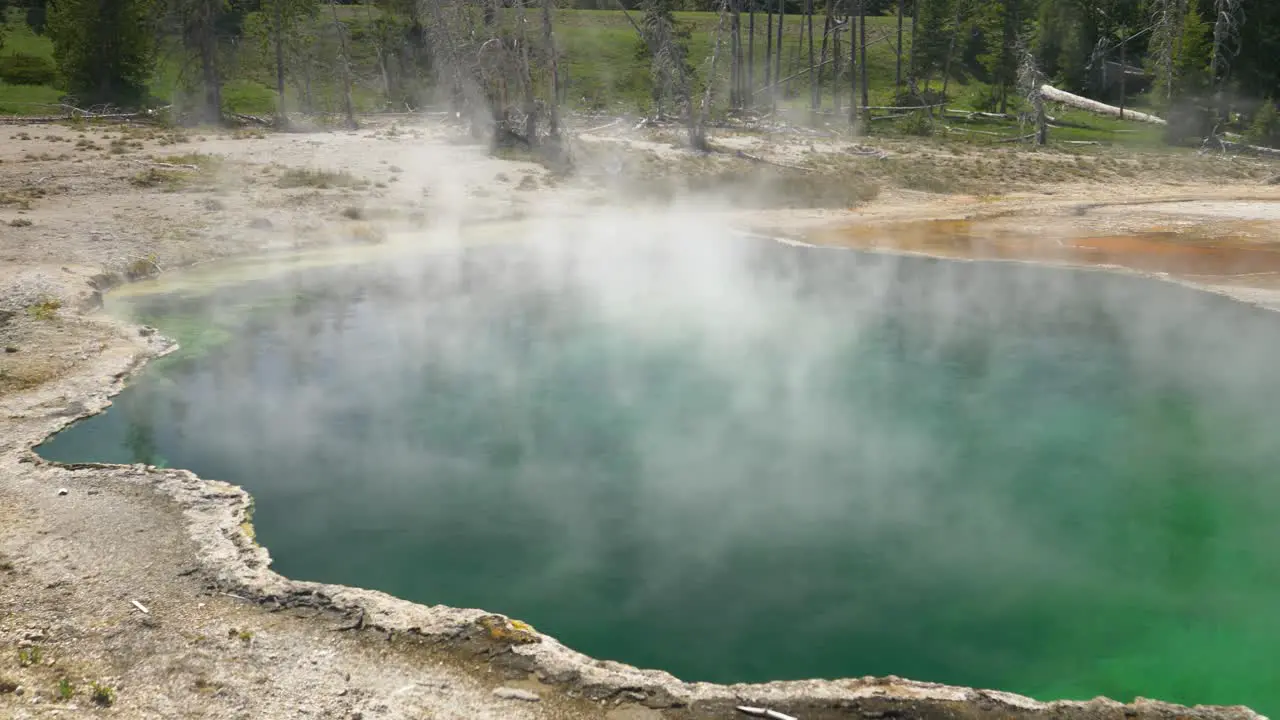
(739, 461)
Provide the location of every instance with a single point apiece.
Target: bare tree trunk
(862, 49)
(768, 46)
(735, 47)
(1123, 72)
(897, 76)
(951, 49)
(822, 54)
(442, 28)
(853, 70)
(278, 21)
(549, 37)
(380, 49)
(751, 53)
(915, 23)
(777, 71)
(835, 72)
(1226, 35)
(526, 77)
(1053, 94)
(202, 33)
(813, 84)
(346, 67)
(697, 130)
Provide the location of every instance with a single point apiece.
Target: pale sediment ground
(148, 582)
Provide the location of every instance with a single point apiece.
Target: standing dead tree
(526, 74)
(1166, 36)
(697, 129)
(862, 54)
(897, 74)
(200, 35)
(777, 70)
(1030, 81)
(345, 65)
(768, 45)
(553, 66)
(1226, 44)
(815, 88)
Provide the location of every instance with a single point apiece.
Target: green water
(760, 462)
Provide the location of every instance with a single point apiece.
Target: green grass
(20, 40)
(26, 99)
(604, 70)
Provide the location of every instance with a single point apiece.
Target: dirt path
(145, 584)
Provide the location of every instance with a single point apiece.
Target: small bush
(169, 180)
(22, 69)
(102, 695)
(29, 656)
(917, 123)
(248, 98)
(46, 309)
(65, 689)
(322, 179)
(1265, 128)
(143, 267)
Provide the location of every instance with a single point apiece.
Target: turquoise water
(757, 462)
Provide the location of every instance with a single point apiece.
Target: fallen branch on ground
(1020, 138)
(1260, 150)
(172, 166)
(756, 158)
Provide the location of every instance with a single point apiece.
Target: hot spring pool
(741, 461)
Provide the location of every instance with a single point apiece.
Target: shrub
(918, 123)
(248, 97)
(21, 69)
(102, 695)
(1265, 128)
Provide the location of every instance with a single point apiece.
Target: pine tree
(932, 39)
(105, 49)
(1003, 23)
(1193, 54)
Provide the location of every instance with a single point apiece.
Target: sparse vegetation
(367, 233)
(45, 309)
(20, 222)
(102, 695)
(65, 689)
(29, 656)
(143, 267)
(319, 179)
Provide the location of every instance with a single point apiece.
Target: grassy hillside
(25, 99)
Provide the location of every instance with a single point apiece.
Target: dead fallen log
(1053, 94)
(1257, 149)
(252, 119)
(75, 113)
(756, 158)
(971, 114)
